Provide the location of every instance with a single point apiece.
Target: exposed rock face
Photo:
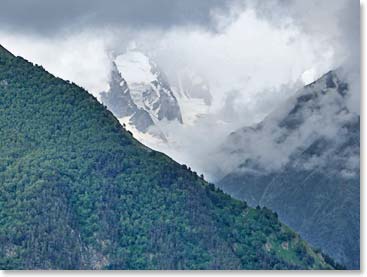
(149, 86)
(119, 101)
(118, 98)
(140, 94)
(159, 99)
(303, 162)
(141, 120)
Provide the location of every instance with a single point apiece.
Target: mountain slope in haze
(302, 161)
(193, 95)
(77, 191)
(192, 85)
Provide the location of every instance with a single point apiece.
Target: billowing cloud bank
(254, 54)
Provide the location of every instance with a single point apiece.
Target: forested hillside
(77, 191)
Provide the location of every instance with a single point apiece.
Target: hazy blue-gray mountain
(302, 161)
(192, 86)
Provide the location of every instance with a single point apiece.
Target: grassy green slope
(78, 192)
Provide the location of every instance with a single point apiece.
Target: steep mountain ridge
(77, 191)
(302, 161)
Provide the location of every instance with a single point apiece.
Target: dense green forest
(77, 191)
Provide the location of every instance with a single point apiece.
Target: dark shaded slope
(78, 192)
(317, 191)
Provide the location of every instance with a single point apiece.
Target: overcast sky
(256, 52)
(241, 41)
(51, 16)
(256, 48)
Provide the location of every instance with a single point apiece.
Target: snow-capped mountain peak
(148, 85)
(158, 104)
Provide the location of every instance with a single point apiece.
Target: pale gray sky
(255, 51)
(50, 16)
(247, 45)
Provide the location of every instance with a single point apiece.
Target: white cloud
(271, 145)
(82, 58)
(250, 55)
(259, 57)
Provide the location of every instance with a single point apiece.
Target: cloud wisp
(254, 54)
